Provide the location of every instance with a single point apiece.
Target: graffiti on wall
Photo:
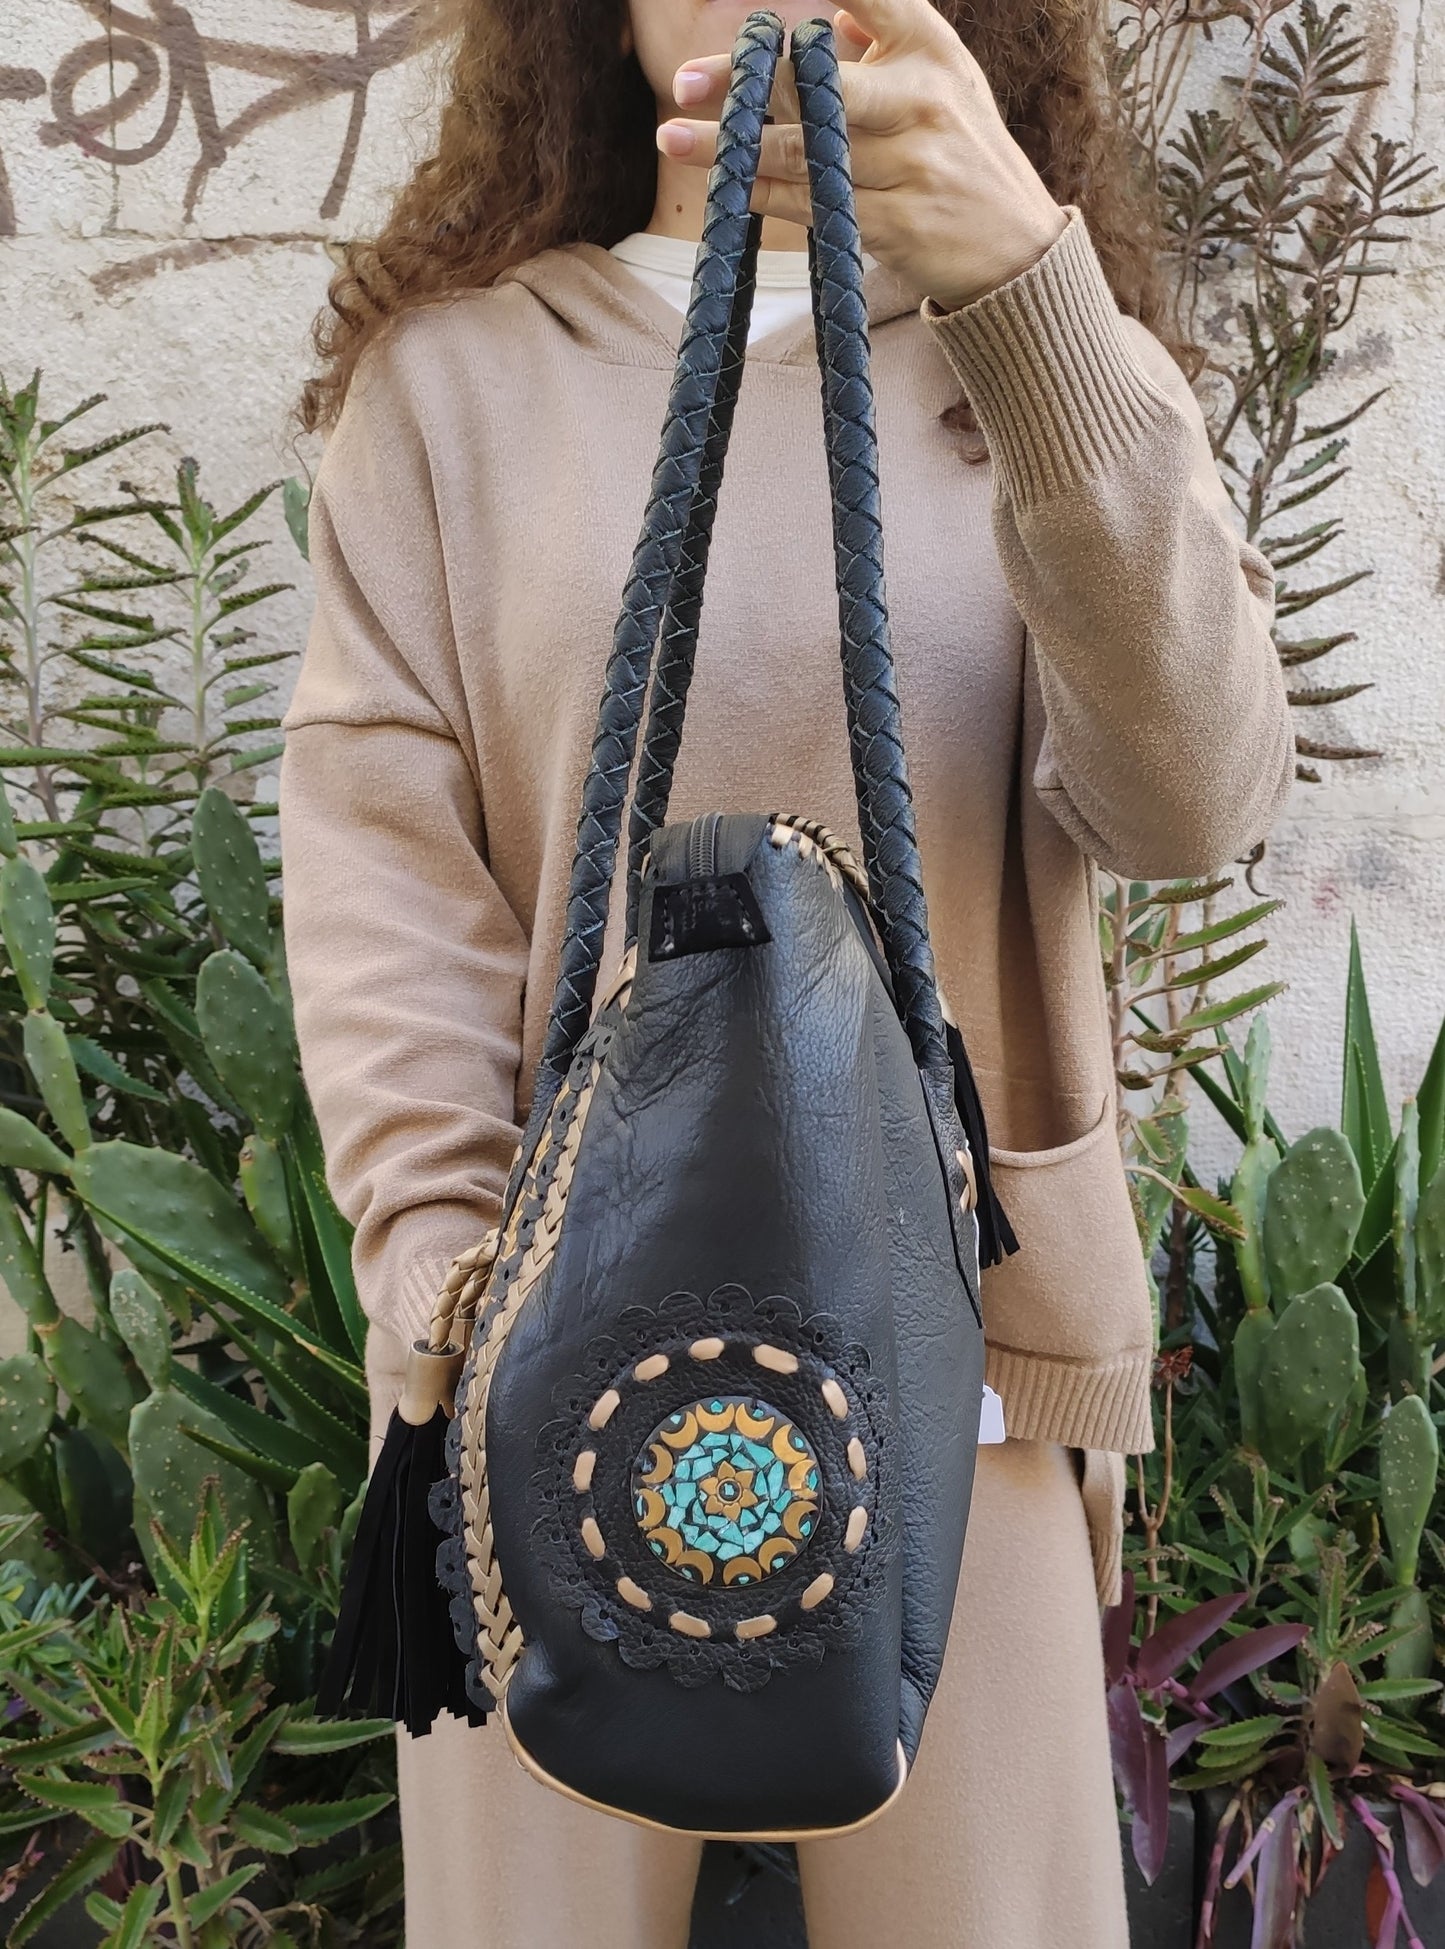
(155, 74)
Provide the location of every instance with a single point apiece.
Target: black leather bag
(708, 1464)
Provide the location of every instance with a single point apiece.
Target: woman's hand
(945, 196)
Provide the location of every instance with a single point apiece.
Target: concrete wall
(173, 183)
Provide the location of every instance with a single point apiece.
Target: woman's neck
(682, 199)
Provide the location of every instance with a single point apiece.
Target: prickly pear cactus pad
(1312, 1210)
(1307, 1371)
(27, 1404)
(1409, 1472)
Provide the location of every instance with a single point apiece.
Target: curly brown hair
(546, 137)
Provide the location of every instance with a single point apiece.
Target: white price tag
(990, 1423)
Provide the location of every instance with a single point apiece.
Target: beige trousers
(1005, 1836)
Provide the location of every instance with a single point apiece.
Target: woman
(1083, 644)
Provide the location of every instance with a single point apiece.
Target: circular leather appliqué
(726, 1491)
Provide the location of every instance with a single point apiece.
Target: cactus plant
(179, 1211)
(263, 1186)
(141, 1319)
(1409, 1349)
(248, 1036)
(232, 876)
(25, 1148)
(91, 1372)
(313, 1505)
(1430, 1258)
(1247, 1192)
(53, 1066)
(27, 1407)
(168, 1463)
(1307, 1371)
(1409, 1478)
(1313, 1205)
(27, 923)
(20, 1267)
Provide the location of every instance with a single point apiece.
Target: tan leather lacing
(455, 1306)
(817, 842)
(499, 1636)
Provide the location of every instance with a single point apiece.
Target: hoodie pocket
(1076, 1289)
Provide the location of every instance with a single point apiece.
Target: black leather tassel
(393, 1655)
(995, 1234)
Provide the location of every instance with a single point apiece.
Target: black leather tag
(720, 910)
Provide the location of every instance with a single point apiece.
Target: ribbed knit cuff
(1079, 1403)
(1048, 369)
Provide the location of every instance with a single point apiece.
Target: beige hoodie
(1084, 657)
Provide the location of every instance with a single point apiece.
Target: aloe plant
(156, 1728)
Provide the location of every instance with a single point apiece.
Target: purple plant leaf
(1171, 1647)
(1424, 1835)
(1248, 1855)
(1118, 1630)
(1277, 1877)
(1179, 1739)
(1392, 1909)
(1214, 1876)
(1126, 1744)
(1243, 1655)
(1151, 1815)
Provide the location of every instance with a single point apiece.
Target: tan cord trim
(816, 842)
(603, 1409)
(456, 1303)
(781, 1361)
(970, 1182)
(778, 1359)
(499, 1636)
(837, 1400)
(619, 993)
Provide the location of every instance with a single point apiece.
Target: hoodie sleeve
(1168, 749)
(406, 963)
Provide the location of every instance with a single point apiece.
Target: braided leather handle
(670, 560)
(677, 652)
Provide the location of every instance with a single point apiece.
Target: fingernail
(675, 139)
(689, 85)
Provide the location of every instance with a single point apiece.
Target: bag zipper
(702, 846)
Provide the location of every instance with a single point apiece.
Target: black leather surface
(759, 1114)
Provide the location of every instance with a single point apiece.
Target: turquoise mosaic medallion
(726, 1491)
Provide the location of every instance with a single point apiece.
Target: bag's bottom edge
(546, 1779)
